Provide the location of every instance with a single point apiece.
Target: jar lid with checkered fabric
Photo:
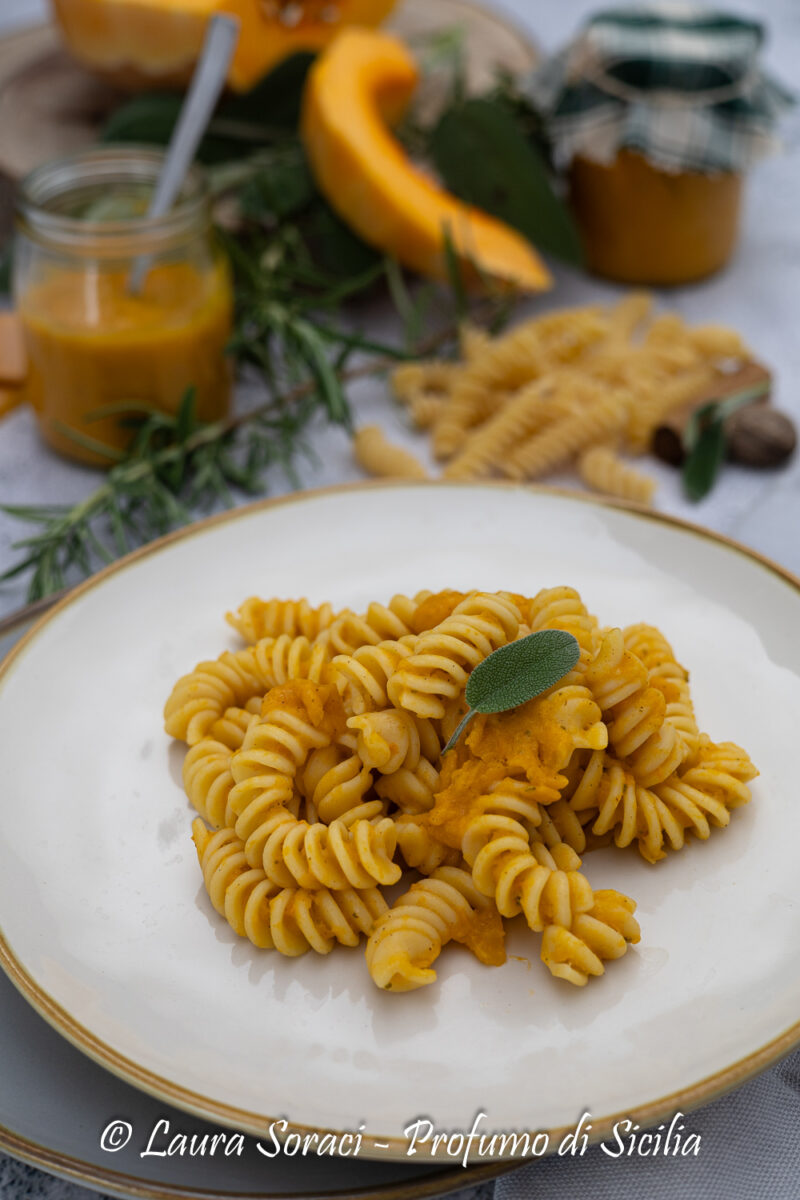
(679, 84)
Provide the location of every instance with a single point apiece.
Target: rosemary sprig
(176, 465)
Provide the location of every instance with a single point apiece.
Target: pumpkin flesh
(359, 86)
(155, 43)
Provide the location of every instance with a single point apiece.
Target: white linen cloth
(749, 1150)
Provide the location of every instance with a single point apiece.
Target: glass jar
(641, 225)
(99, 352)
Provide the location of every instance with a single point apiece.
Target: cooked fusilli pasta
(443, 657)
(634, 711)
(315, 755)
(602, 933)
(257, 619)
(407, 939)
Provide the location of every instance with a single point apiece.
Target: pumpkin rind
(358, 86)
(155, 43)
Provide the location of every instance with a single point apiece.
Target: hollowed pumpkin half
(357, 88)
(155, 43)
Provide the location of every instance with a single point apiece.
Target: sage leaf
(705, 459)
(484, 158)
(521, 670)
(517, 672)
(241, 124)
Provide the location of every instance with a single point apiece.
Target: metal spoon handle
(204, 91)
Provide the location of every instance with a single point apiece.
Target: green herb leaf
(277, 97)
(281, 190)
(5, 270)
(454, 273)
(483, 156)
(269, 112)
(517, 672)
(705, 441)
(521, 670)
(703, 462)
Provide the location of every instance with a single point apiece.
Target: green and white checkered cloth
(680, 84)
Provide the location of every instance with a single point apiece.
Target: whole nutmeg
(760, 436)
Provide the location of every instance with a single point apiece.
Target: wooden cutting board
(50, 105)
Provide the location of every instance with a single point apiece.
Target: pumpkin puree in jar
(91, 344)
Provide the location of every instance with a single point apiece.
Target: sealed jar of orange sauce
(99, 351)
(654, 114)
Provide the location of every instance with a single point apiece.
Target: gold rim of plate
(200, 1106)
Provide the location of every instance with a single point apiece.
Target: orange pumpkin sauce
(317, 703)
(513, 743)
(485, 936)
(529, 739)
(642, 225)
(90, 344)
(435, 609)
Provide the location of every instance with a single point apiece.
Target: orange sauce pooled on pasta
(528, 738)
(485, 936)
(435, 609)
(317, 703)
(91, 344)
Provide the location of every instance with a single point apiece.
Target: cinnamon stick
(667, 442)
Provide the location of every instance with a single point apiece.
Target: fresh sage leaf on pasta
(517, 672)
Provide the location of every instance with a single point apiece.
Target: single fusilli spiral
(605, 471)
(705, 793)
(578, 952)
(335, 780)
(380, 623)
(394, 738)
(410, 936)
(443, 658)
(521, 875)
(207, 779)
(362, 676)
(319, 920)
(239, 892)
(562, 608)
(608, 796)
(257, 619)
(201, 697)
(347, 853)
(411, 789)
(665, 673)
(420, 849)
(275, 748)
(478, 390)
(285, 657)
(206, 768)
(634, 711)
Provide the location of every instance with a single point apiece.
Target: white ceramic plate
(55, 1103)
(108, 932)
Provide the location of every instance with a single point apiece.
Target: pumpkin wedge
(155, 43)
(359, 86)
